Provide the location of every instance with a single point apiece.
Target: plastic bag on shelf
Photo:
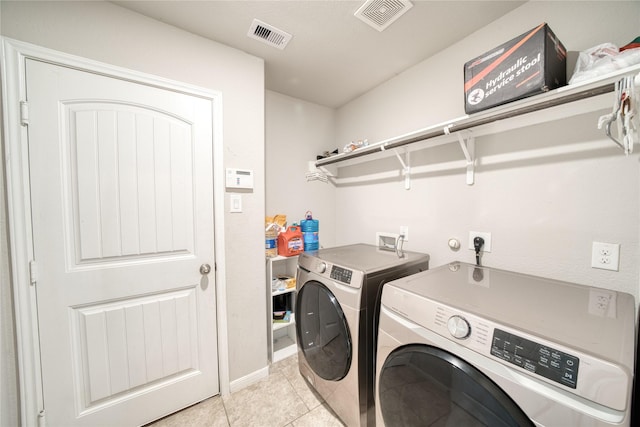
(603, 59)
(354, 145)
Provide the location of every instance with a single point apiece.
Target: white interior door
(122, 211)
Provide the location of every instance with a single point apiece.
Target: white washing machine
(337, 303)
(465, 345)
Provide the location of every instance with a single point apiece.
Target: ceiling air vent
(381, 13)
(268, 34)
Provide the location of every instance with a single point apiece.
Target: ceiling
(333, 57)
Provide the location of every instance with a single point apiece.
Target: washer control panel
(485, 337)
(540, 359)
(341, 274)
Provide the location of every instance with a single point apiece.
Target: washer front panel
(545, 404)
(354, 275)
(597, 380)
(341, 394)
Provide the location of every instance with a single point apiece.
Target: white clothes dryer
(337, 303)
(475, 346)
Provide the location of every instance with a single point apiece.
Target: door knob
(205, 269)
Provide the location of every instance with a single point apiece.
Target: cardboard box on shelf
(532, 63)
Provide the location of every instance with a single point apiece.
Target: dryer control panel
(540, 359)
(322, 269)
(341, 274)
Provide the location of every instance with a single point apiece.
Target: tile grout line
(226, 413)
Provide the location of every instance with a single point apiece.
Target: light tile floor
(284, 399)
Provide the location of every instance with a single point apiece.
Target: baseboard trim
(248, 380)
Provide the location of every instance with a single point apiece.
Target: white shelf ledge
(282, 291)
(567, 101)
(283, 348)
(281, 325)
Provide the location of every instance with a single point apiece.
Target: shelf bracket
(467, 144)
(406, 167)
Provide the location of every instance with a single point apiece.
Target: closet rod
(467, 123)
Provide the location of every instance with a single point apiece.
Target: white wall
(297, 131)
(544, 192)
(105, 32)
(543, 207)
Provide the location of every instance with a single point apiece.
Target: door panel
(425, 385)
(124, 345)
(323, 332)
(120, 174)
(122, 208)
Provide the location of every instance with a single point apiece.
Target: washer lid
(366, 258)
(596, 321)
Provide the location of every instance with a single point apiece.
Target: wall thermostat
(239, 178)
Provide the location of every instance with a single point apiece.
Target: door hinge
(42, 421)
(24, 113)
(33, 272)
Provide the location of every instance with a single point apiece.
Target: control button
(458, 327)
(322, 267)
(341, 274)
(517, 360)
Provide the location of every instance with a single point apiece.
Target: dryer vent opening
(268, 34)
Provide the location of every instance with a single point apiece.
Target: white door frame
(14, 55)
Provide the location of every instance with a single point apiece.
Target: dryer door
(323, 333)
(424, 385)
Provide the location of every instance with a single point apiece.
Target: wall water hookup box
(239, 178)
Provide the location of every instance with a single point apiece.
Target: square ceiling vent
(381, 13)
(268, 34)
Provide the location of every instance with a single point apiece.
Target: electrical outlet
(605, 256)
(602, 302)
(404, 230)
(487, 240)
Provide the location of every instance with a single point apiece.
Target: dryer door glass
(323, 334)
(423, 385)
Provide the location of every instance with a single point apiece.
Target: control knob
(459, 327)
(321, 267)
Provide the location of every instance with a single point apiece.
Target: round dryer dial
(459, 327)
(321, 267)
